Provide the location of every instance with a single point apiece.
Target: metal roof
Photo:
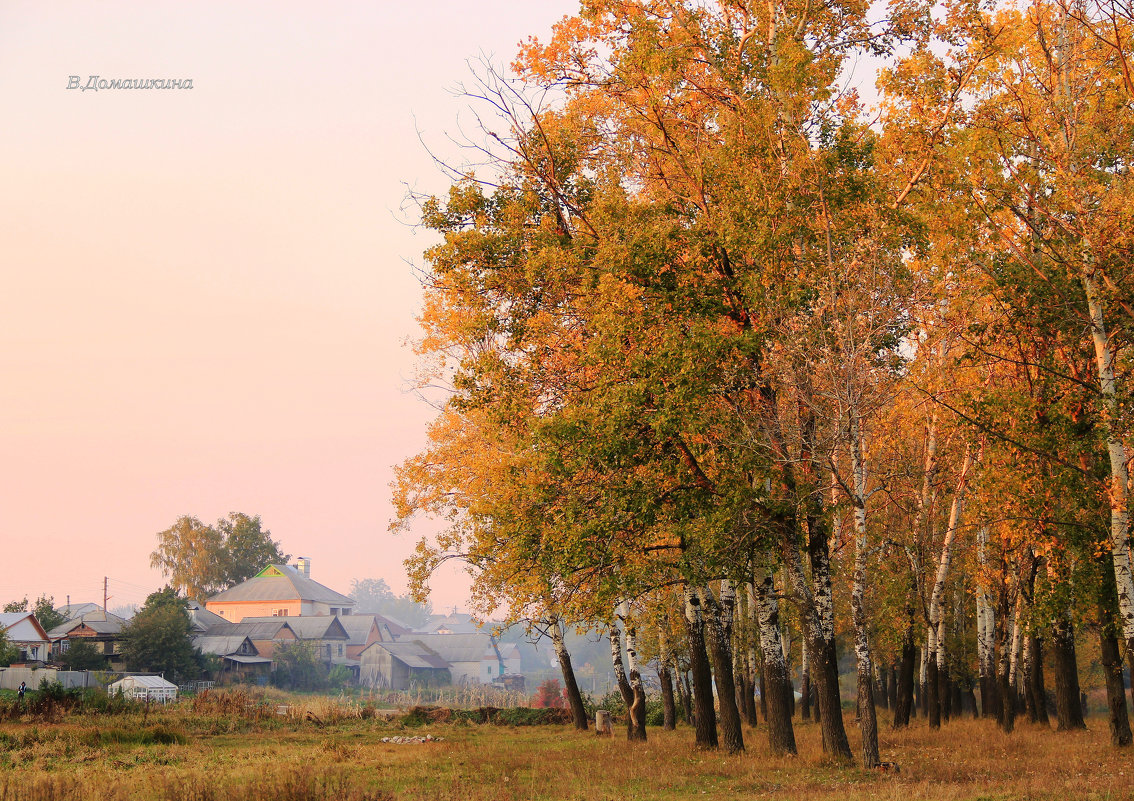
(221, 645)
(358, 628)
(98, 626)
(412, 654)
(455, 647)
(285, 584)
(201, 618)
(247, 660)
(309, 627)
(261, 629)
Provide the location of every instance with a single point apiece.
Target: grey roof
(78, 610)
(286, 587)
(453, 623)
(455, 647)
(95, 622)
(222, 645)
(201, 619)
(261, 629)
(413, 654)
(309, 627)
(358, 628)
(247, 660)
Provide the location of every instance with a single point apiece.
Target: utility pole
(105, 597)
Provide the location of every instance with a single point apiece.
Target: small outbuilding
(145, 688)
(397, 665)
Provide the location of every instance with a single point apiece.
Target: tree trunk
(986, 631)
(904, 681)
(637, 710)
(685, 695)
(763, 692)
(923, 678)
(720, 641)
(892, 695)
(1118, 494)
(574, 697)
(741, 638)
(775, 686)
(1039, 692)
(805, 684)
(704, 711)
(665, 679)
(819, 629)
(884, 687)
(1068, 707)
(1007, 700)
(1111, 657)
(754, 670)
(1031, 706)
(620, 676)
(936, 607)
(867, 714)
(932, 704)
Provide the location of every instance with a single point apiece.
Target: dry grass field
(207, 755)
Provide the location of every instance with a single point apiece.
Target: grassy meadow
(222, 749)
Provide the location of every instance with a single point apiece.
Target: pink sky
(205, 293)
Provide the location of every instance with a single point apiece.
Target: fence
(11, 677)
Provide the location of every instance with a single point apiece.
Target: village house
(264, 635)
(25, 632)
(279, 591)
(100, 628)
(472, 658)
(325, 634)
(400, 665)
(238, 655)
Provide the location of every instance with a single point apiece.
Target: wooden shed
(397, 665)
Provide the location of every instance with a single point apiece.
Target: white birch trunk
(986, 615)
(1119, 490)
(936, 612)
(1014, 657)
(867, 721)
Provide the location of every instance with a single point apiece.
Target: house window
(340, 650)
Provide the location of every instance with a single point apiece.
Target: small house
(101, 629)
(238, 655)
(27, 635)
(265, 636)
(325, 634)
(398, 665)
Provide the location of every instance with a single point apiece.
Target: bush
(298, 668)
(549, 695)
(339, 677)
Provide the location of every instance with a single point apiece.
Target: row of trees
(726, 347)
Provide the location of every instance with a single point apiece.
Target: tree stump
(602, 723)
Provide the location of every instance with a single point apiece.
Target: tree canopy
(158, 638)
(201, 560)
